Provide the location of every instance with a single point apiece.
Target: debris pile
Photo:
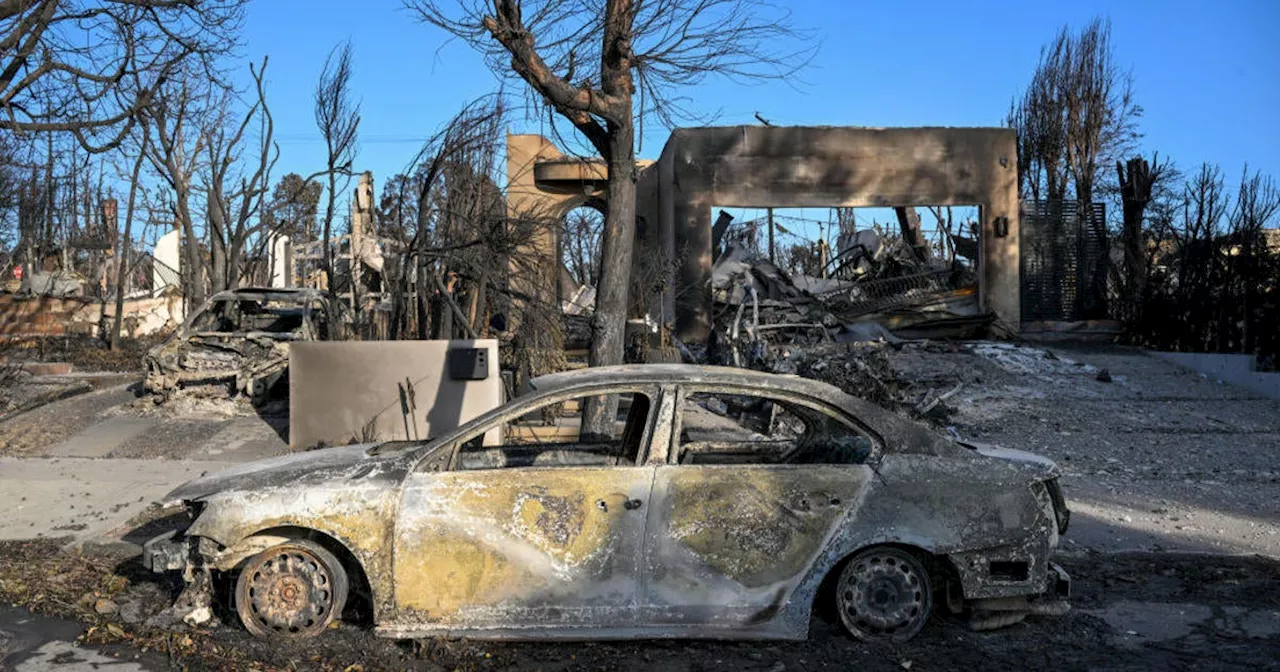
(876, 290)
(924, 379)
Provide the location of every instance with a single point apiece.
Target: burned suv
(238, 342)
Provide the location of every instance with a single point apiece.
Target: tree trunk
(327, 234)
(912, 233)
(423, 294)
(217, 258)
(193, 269)
(1136, 184)
(122, 259)
(617, 241)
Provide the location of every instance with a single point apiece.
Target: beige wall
(342, 392)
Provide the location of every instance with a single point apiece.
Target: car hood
(346, 463)
(1040, 465)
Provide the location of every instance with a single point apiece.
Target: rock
(198, 616)
(131, 612)
(1104, 375)
(106, 607)
(778, 667)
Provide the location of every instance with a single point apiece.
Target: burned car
(723, 503)
(238, 342)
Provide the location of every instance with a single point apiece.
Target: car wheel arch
(361, 589)
(822, 601)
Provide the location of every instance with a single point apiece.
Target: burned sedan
(238, 342)
(721, 503)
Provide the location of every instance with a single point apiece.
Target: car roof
(878, 419)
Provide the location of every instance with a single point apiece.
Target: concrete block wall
(1237, 370)
(43, 316)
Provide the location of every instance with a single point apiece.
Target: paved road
(114, 423)
(83, 467)
(33, 643)
(83, 498)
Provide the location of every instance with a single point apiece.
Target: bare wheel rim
(289, 591)
(884, 593)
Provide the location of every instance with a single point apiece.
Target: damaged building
(874, 283)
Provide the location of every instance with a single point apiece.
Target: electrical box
(468, 363)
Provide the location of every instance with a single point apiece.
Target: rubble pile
(876, 291)
(917, 378)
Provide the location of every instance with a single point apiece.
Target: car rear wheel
(884, 593)
(295, 589)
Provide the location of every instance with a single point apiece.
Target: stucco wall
(352, 391)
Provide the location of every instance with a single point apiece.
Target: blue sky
(1206, 73)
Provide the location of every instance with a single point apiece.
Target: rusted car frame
(449, 537)
(223, 349)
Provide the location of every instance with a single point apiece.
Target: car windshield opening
(237, 316)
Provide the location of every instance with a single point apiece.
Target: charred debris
(856, 321)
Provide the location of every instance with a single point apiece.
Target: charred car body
(238, 342)
(730, 502)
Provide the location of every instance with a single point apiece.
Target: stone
(106, 607)
(198, 616)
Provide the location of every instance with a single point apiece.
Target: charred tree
(587, 65)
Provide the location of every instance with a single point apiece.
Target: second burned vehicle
(725, 504)
(238, 342)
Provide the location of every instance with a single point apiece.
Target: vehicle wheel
(884, 593)
(295, 589)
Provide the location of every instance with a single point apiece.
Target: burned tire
(295, 590)
(884, 593)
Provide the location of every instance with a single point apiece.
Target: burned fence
(1063, 261)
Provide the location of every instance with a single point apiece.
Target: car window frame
(685, 390)
(453, 442)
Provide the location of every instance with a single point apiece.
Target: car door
(543, 531)
(747, 498)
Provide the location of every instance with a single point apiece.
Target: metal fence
(1064, 261)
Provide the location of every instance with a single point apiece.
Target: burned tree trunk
(912, 234)
(1137, 180)
(617, 239)
(122, 259)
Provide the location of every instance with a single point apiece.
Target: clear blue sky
(1207, 73)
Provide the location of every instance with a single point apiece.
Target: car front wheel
(295, 589)
(884, 593)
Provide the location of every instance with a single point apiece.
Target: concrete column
(692, 241)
